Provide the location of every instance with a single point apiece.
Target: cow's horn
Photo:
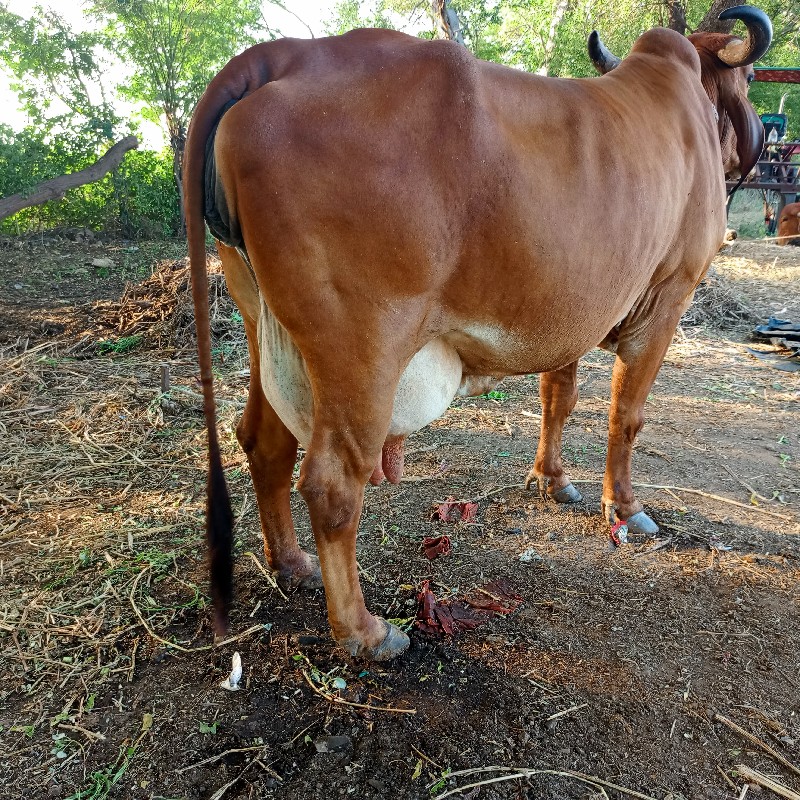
(759, 36)
(602, 58)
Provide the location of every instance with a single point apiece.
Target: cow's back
(380, 162)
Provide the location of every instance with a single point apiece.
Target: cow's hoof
(309, 578)
(395, 643)
(569, 494)
(640, 523)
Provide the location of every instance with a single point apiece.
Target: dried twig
(212, 759)
(727, 779)
(331, 698)
(753, 492)
(754, 776)
(701, 493)
(523, 772)
(757, 742)
(566, 711)
(267, 574)
(175, 645)
(427, 758)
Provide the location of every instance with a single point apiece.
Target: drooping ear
(748, 129)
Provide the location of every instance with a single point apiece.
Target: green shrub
(138, 199)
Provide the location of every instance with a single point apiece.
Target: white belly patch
(431, 380)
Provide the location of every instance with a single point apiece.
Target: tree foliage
(174, 48)
(138, 199)
(57, 74)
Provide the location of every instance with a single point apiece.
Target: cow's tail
(241, 76)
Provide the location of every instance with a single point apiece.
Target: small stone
(333, 744)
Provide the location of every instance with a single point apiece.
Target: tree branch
(55, 188)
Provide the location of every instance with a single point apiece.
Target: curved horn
(602, 58)
(759, 36)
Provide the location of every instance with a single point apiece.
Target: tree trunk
(55, 188)
(178, 144)
(447, 21)
(677, 16)
(550, 45)
(711, 24)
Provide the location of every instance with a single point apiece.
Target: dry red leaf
(498, 596)
(435, 546)
(450, 618)
(452, 510)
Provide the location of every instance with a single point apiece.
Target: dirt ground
(606, 682)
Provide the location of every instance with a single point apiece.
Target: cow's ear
(748, 128)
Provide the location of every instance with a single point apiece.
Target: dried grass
(717, 304)
(159, 309)
(101, 486)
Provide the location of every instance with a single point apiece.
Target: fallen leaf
(452, 510)
(435, 546)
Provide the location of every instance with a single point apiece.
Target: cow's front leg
(635, 370)
(558, 391)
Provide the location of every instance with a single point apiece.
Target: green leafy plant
(118, 346)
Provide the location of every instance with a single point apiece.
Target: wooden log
(56, 188)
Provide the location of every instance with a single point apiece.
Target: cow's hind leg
(558, 391)
(351, 421)
(271, 452)
(271, 449)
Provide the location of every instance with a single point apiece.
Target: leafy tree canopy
(55, 69)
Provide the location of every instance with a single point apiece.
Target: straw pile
(160, 308)
(717, 305)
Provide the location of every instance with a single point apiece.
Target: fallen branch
(754, 776)
(757, 742)
(56, 188)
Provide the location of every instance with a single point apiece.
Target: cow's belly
(431, 380)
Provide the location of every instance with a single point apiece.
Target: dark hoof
(640, 523)
(394, 644)
(289, 580)
(569, 494)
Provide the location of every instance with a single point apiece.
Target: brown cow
(384, 207)
(789, 225)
